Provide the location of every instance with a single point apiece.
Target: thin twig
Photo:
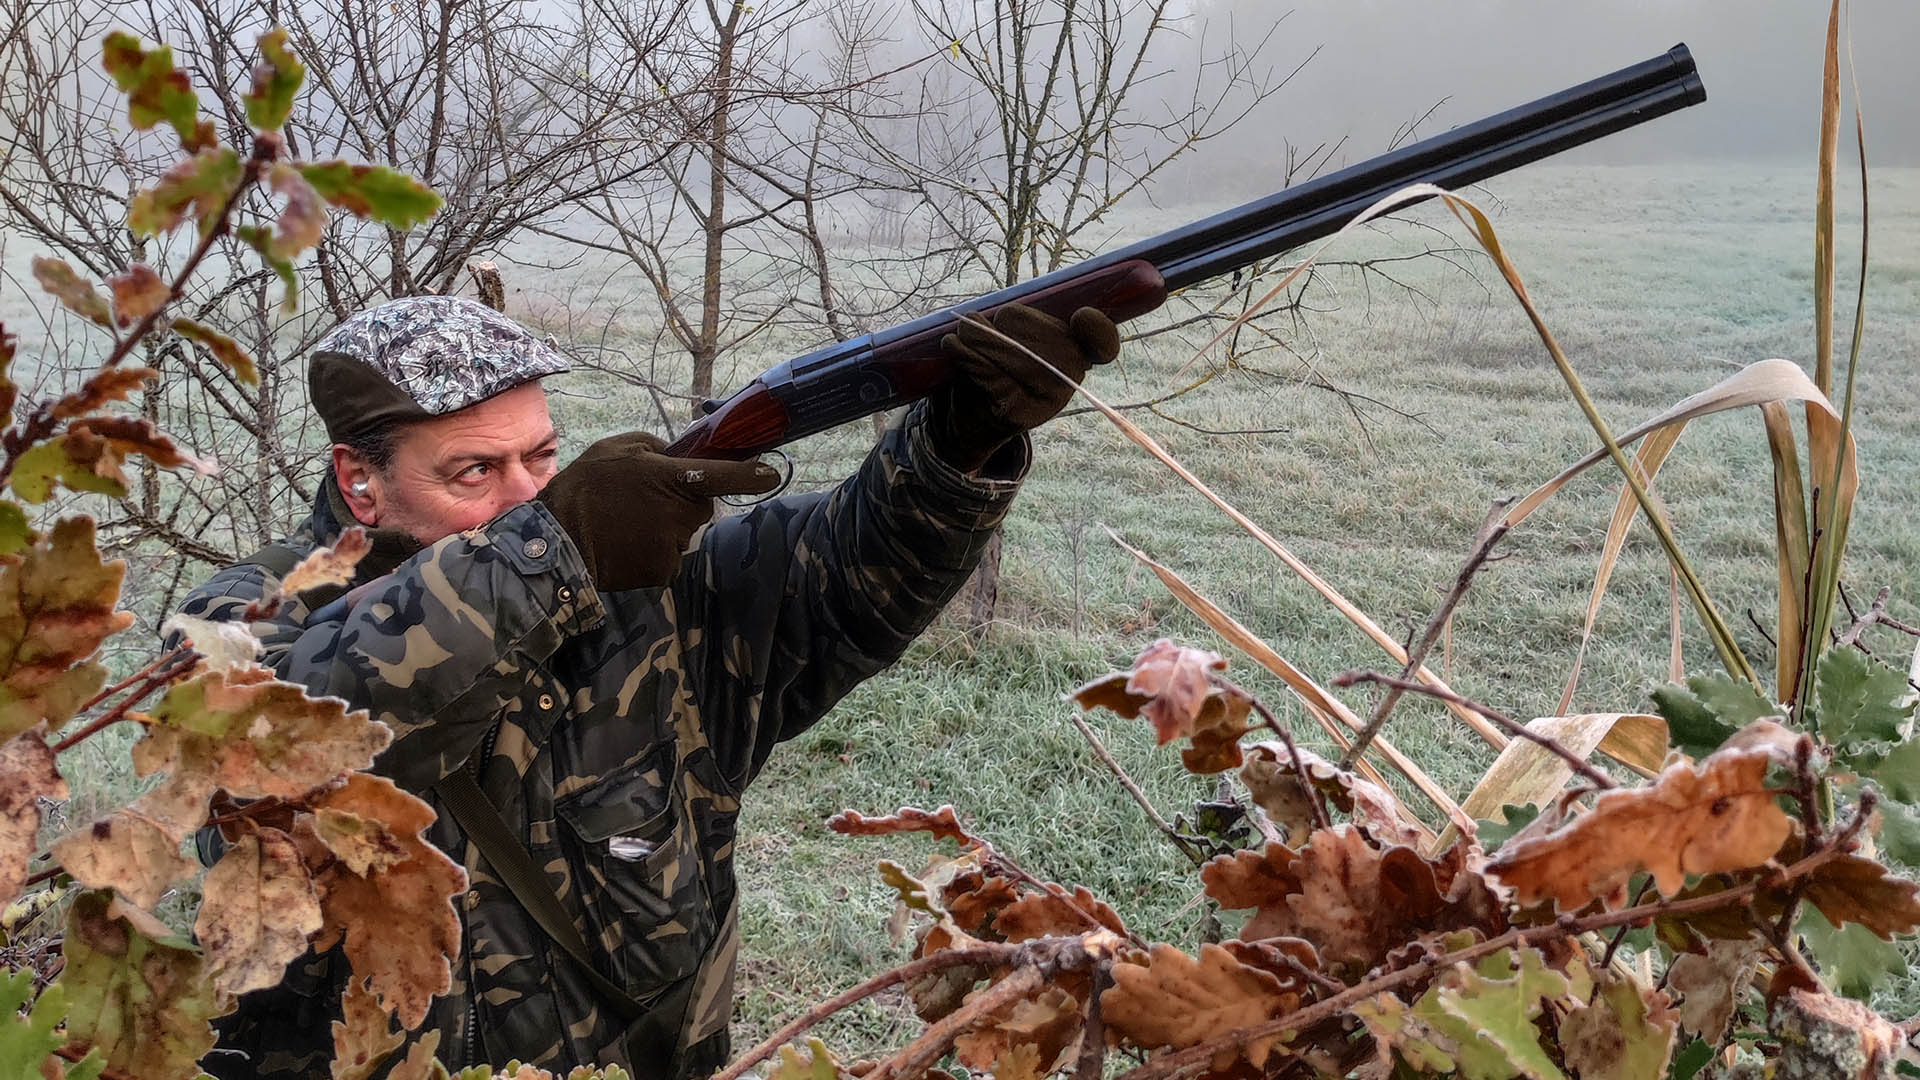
(1106, 758)
(988, 953)
(1876, 613)
(1093, 1037)
(1491, 531)
(1546, 742)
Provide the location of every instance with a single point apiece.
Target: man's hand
(632, 510)
(999, 391)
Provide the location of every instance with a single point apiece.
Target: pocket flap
(632, 801)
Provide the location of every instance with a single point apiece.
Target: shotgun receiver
(855, 378)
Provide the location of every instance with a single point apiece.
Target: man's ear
(359, 485)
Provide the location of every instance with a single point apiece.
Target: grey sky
(1386, 61)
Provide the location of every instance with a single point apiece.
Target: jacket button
(546, 702)
(566, 594)
(535, 547)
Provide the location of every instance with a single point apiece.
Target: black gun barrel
(850, 379)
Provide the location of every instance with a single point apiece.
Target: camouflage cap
(420, 357)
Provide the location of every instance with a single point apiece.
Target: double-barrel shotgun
(855, 378)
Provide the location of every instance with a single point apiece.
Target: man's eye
(475, 473)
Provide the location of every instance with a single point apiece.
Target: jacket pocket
(644, 889)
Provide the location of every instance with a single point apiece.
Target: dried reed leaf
(1793, 546)
(1526, 774)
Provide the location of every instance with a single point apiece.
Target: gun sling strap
(511, 860)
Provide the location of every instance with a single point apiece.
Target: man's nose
(519, 485)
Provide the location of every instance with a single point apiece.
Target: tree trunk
(986, 590)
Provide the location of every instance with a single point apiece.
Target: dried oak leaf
(222, 645)
(257, 910)
(1710, 985)
(27, 775)
(974, 899)
(940, 992)
(121, 436)
(103, 388)
(1626, 1033)
(56, 607)
(363, 1039)
(365, 845)
(328, 566)
(1049, 1023)
(1056, 912)
(137, 293)
(140, 997)
(941, 823)
(1857, 890)
(1175, 1001)
(255, 736)
(1822, 1036)
(1352, 901)
(1172, 686)
(399, 924)
(1711, 818)
(1276, 787)
(421, 1064)
(129, 852)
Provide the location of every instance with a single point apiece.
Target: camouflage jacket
(615, 733)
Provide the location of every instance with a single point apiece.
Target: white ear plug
(360, 488)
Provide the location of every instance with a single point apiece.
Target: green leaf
(275, 81)
(1617, 1037)
(201, 184)
(385, 195)
(1494, 833)
(1692, 727)
(1898, 774)
(15, 532)
(136, 993)
(816, 1064)
(65, 460)
(155, 91)
(260, 239)
(1860, 701)
(1500, 1012)
(1900, 831)
(1690, 1060)
(74, 292)
(224, 349)
(25, 1041)
(1851, 958)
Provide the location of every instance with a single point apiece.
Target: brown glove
(631, 510)
(998, 391)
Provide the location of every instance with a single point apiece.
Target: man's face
(461, 470)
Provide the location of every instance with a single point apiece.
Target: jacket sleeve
(797, 601)
(435, 649)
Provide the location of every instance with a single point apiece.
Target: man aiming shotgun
(584, 671)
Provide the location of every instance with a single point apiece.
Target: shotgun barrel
(855, 378)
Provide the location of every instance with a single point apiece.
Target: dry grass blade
(1322, 706)
(1653, 453)
(1526, 774)
(1793, 544)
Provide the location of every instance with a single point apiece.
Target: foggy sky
(1384, 62)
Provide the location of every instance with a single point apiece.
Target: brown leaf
(137, 293)
(105, 387)
(128, 852)
(28, 774)
(304, 220)
(257, 911)
(941, 823)
(255, 736)
(135, 993)
(1825, 1036)
(1270, 776)
(224, 349)
(366, 846)
(1352, 901)
(1178, 1002)
(1171, 685)
(940, 992)
(1853, 889)
(973, 899)
(328, 566)
(1710, 985)
(399, 924)
(223, 646)
(1048, 1023)
(56, 606)
(1056, 912)
(136, 435)
(1711, 818)
(363, 1039)
(420, 1064)
(73, 291)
